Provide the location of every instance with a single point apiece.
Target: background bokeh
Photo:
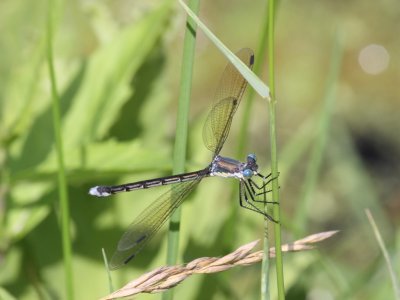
(118, 73)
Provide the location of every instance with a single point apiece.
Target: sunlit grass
(182, 132)
(58, 140)
(118, 124)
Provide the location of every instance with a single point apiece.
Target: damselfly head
(251, 165)
(251, 157)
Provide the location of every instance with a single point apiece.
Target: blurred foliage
(118, 69)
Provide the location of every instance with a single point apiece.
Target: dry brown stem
(164, 278)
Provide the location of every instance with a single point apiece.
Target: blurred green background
(118, 72)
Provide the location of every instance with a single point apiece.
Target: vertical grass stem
(181, 131)
(274, 155)
(62, 182)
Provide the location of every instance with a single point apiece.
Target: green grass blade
(105, 82)
(393, 276)
(181, 132)
(251, 78)
(105, 259)
(265, 264)
(62, 181)
(274, 155)
(5, 295)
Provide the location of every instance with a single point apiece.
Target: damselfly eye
(251, 157)
(247, 173)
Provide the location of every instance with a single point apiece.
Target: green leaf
(106, 78)
(4, 295)
(257, 84)
(26, 210)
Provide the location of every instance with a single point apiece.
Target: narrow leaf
(257, 84)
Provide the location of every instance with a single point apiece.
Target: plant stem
(385, 252)
(274, 154)
(62, 182)
(181, 132)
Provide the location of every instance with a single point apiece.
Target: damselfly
(215, 132)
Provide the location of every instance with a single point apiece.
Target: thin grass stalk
(274, 159)
(265, 264)
(389, 263)
(168, 277)
(259, 59)
(62, 182)
(181, 132)
(105, 260)
(261, 49)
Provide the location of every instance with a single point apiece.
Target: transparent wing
(227, 98)
(149, 222)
